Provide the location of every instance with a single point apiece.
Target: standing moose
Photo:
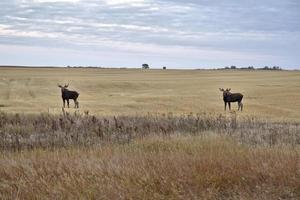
(67, 94)
(229, 97)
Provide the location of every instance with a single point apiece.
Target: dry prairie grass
(148, 157)
(267, 94)
(19, 131)
(142, 153)
(176, 167)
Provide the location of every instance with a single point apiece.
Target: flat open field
(267, 94)
(253, 154)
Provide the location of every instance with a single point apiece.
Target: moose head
(225, 92)
(63, 87)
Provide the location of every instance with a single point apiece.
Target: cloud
(227, 30)
(116, 2)
(49, 1)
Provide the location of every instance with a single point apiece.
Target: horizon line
(155, 68)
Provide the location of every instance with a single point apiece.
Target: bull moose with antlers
(229, 97)
(67, 95)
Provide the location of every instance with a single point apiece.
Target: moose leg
(229, 105)
(76, 103)
(64, 102)
(68, 103)
(225, 105)
(240, 106)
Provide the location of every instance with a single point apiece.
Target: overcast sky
(128, 33)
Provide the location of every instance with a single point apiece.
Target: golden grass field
(267, 94)
(154, 148)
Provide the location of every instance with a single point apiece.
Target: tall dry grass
(177, 167)
(19, 131)
(148, 157)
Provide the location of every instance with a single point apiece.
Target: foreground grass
(155, 167)
(19, 132)
(148, 157)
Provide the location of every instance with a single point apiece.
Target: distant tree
(164, 67)
(266, 68)
(233, 67)
(276, 68)
(145, 66)
(250, 67)
(227, 67)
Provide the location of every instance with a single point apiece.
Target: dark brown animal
(66, 95)
(229, 97)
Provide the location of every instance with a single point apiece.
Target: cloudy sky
(128, 33)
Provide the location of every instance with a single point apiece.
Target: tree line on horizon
(251, 68)
(232, 67)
